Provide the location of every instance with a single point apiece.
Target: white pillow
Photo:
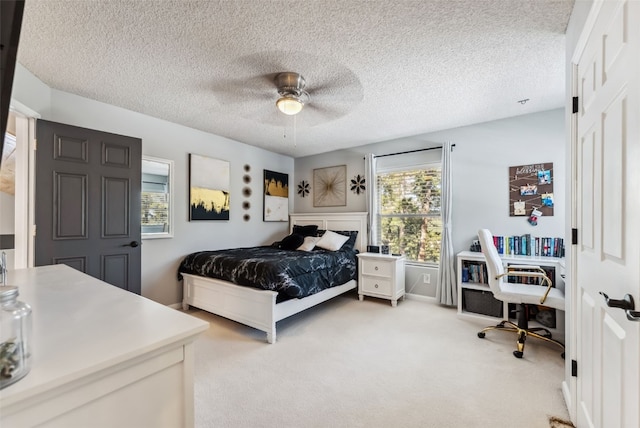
(309, 243)
(331, 241)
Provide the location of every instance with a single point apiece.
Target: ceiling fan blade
(246, 87)
(316, 114)
(260, 63)
(343, 85)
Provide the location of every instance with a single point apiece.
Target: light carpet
(354, 364)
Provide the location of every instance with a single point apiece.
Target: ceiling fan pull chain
(295, 134)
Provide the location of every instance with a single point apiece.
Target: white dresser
(102, 357)
(381, 275)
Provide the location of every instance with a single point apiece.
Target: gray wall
(480, 163)
(162, 139)
(481, 159)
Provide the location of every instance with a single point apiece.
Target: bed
(260, 308)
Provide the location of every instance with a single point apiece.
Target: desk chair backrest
(495, 269)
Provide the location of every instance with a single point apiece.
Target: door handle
(134, 244)
(626, 303)
(633, 315)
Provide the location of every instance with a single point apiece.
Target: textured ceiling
(376, 70)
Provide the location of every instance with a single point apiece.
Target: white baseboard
(420, 297)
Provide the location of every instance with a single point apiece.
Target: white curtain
(372, 196)
(447, 291)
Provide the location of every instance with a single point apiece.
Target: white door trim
(569, 386)
(25, 182)
(21, 200)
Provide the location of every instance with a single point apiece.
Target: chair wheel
(481, 335)
(517, 354)
(562, 355)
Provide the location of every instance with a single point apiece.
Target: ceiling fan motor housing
(290, 83)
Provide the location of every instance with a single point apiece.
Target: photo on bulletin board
(547, 199)
(528, 190)
(531, 187)
(544, 177)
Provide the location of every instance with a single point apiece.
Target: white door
(608, 216)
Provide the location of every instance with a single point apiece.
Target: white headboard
(335, 221)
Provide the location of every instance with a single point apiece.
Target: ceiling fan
(327, 91)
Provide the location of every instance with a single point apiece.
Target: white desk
(102, 357)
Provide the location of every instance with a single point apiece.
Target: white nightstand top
(380, 256)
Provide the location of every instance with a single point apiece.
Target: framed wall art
(276, 196)
(330, 186)
(208, 188)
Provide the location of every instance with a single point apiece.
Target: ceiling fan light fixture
(289, 105)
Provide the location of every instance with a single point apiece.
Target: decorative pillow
(332, 241)
(309, 243)
(291, 242)
(309, 230)
(351, 242)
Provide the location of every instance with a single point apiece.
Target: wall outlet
(426, 278)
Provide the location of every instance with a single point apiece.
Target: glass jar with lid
(15, 336)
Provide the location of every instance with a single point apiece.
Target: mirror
(157, 200)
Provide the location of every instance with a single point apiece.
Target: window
(409, 211)
(156, 204)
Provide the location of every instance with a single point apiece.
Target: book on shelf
(549, 271)
(475, 272)
(528, 245)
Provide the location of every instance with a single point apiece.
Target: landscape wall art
(208, 188)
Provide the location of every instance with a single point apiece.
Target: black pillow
(309, 230)
(351, 242)
(291, 242)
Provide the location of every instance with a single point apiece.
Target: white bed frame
(258, 308)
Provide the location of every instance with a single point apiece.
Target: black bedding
(292, 273)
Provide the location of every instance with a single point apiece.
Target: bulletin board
(531, 187)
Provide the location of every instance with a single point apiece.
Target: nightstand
(381, 275)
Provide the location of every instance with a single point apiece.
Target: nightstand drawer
(377, 267)
(376, 285)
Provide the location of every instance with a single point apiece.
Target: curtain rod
(410, 151)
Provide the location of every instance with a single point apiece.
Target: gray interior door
(87, 208)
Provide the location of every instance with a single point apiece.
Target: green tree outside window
(409, 218)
